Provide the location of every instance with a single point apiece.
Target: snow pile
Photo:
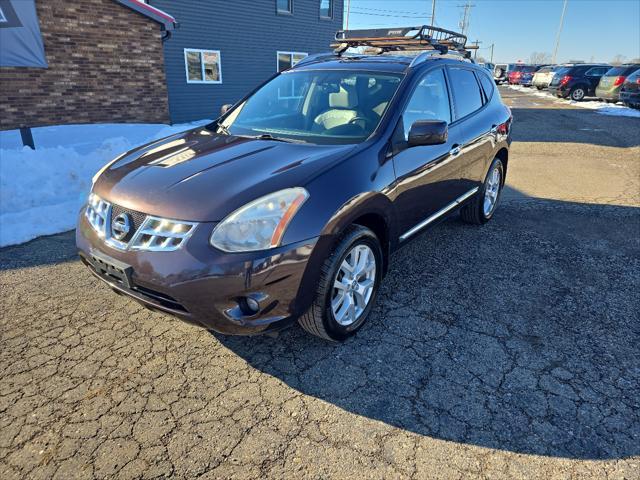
(42, 190)
(617, 109)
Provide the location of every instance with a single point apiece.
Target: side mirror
(225, 108)
(428, 132)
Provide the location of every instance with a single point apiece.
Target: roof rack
(423, 37)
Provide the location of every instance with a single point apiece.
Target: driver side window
(429, 101)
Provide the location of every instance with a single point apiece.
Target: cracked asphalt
(504, 351)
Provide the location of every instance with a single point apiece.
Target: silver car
(543, 77)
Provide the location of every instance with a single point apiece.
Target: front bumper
(204, 286)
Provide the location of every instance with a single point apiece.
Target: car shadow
(585, 126)
(521, 335)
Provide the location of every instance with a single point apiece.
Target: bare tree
(481, 59)
(540, 57)
(618, 60)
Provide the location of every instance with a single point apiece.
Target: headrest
(343, 99)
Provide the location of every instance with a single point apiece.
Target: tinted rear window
(621, 70)
(466, 91)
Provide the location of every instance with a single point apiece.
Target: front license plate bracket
(112, 269)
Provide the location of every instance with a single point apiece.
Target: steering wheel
(360, 118)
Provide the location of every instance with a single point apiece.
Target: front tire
(349, 282)
(483, 205)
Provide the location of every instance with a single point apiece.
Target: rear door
(593, 76)
(472, 129)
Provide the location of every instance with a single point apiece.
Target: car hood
(202, 176)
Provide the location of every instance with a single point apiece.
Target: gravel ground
(504, 351)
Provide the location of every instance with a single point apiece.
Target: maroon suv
(289, 206)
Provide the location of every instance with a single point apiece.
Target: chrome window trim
(415, 229)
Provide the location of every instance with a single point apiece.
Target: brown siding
(105, 65)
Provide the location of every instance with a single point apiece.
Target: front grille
(137, 219)
(146, 232)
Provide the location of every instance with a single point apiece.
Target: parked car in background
(488, 66)
(608, 88)
(630, 90)
(501, 72)
(542, 78)
(522, 74)
(577, 81)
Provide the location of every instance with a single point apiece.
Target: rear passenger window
(466, 91)
(487, 85)
(429, 101)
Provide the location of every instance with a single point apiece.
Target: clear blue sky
(594, 30)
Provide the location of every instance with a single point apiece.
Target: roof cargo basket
(424, 37)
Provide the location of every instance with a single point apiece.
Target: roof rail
(423, 37)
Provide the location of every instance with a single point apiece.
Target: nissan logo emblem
(120, 226)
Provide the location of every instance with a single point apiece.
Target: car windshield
(314, 106)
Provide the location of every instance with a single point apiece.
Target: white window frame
(204, 80)
(291, 54)
(331, 7)
(3, 17)
(284, 12)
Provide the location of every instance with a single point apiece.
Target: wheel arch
(503, 155)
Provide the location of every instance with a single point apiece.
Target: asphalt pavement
(510, 350)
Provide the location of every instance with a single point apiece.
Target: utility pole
(491, 61)
(433, 12)
(475, 52)
(346, 26)
(464, 23)
(555, 51)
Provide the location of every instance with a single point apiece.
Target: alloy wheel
(578, 94)
(491, 191)
(353, 285)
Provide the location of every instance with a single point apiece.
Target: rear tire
(476, 211)
(577, 94)
(323, 318)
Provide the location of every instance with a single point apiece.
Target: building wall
(106, 65)
(248, 33)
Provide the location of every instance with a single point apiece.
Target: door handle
(454, 151)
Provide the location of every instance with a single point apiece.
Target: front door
(428, 177)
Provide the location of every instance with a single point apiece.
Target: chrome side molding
(415, 229)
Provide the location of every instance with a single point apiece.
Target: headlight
(261, 224)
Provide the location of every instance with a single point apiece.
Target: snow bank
(42, 190)
(617, 109)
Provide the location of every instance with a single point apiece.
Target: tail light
(618, 81)
(566, 79)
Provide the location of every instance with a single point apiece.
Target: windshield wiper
(268, 136)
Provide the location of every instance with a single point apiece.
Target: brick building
(112, 61)
(105, 64)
